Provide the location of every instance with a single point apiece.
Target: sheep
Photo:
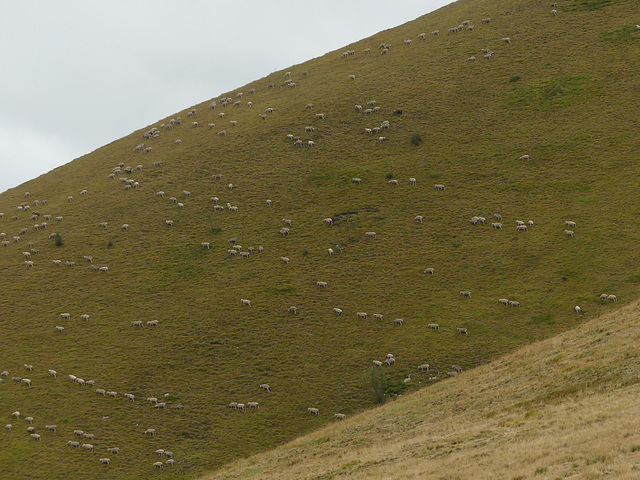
(313, 411)
(53, 373)
(230, 186)
(28, 263)
(35, 436)
(462, 331)
(152, 400)
(246, 302)
(382, 139)
(424, 367)
(398, 321)
(112, 394)
(29, 420)
(293, 309)
(105, 461)
(103, 269)
(206, 245)
(439, 187)
(377, 316)
(330, 250)
(377, 363)
(577, 309)
(16, 379)
(337, 311)
(160, 194)
(4, 373)
(160, 405)
(26, 381)
(568, 233)
(169, 223)
(505, 40)
(50, 428)
(284, 260)
(253, 405)
(465, 293)
(114, 450)
(569, 223)
(497, 225)
(160, 452)
(503, 301)
(15, 414)
(554, 12)
(362, 314)
(419, 218)
(73, 444)
(352, 77)
(171, 462)
(390, 361)
(137, 323)
(612, 298)
(525, 157)
(150, 431)
(310, 143)
(152, 323)
(514, 303)
(321, 284)
(433, 326)
(284, 231)
(521, 228)
(370, 234)
(159, 465)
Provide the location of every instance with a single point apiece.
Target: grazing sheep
(114, 450)
(29, 420)
(612, 298)
(284, 259)
(603, 297)
(577, 309)
(554, 12)
(433, 326)
(497, 226)
(171, 462)
(390, 361)
(169, 223)
(53, 373)
(568, 233)
(362, 314)
(419, 218)
(253, 405)
(246, 302)
(330, 250)
(26, 381)
(521, 228)
(160, 405)
(105, 461)
(398, 322)
(439, 187)
(503, 301)
(137, 323)
(505, 40)
(205, 245)
(112, 394)
(152, 323)
(73, 444)
(514, 303)
(525, 157)
(150, 431)
(265, 386)
(321, 284)
(35, 436)
(465, 293)
(313, 411)
(87, 446)
(377, 316)
(382, 139)
(130, 396)
(377, 363)
(152, 400)
(463, 331)
(370, 234)
(337, 311)
(15, 414)
(328, 221)
(159, 465)
(50, 428)
(293, 309)
(424, 367)
(569, 223)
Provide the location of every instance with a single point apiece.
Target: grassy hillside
(564, 91)
(565, 407)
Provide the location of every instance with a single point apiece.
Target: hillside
(565, 407)
(564, 91)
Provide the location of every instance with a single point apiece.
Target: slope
(571, 108)
(565, 407)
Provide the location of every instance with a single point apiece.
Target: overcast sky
(78, 74)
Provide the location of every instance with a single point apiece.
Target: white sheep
(463, 331)
(321, 284)
(377, 363)
(503, 301)
(377, 316)
(328, 221)
(525, 157)
(568, 233)
(150, 431)
(265, 386)
(419, 218)
(50, 428)
(429, 271)
(114, 450)
(433, 326)
(612, 298)
(521, 228)
(293, 309)
(152, 323)
(313, 411)
(362, 314)
(284, 259)
(505, 39)
(398, 322)
(497, 226)
(569, 223)
(514, 303)
(246, 302)
(330, 250)
(424, 367)
(577, 309)
(105, 461)
(439, 187)
(465, 293)
(137, 323)
(169, 223)
(370, 234)
(35, 436)
(158, 465)
(337, 311)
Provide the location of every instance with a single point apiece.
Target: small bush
(514, 78)
(110, 244)
(58, 239)
(305, 252)
(389, 176)
(416, 139)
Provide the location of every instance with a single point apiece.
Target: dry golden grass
(565, 407)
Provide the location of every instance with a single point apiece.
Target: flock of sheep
(236, 250)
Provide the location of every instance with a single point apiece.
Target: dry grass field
(561, 408)
(564, 90)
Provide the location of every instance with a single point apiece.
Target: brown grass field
(564, 91)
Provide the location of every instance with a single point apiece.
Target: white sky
(78, 74)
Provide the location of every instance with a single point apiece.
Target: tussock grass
(210, 350)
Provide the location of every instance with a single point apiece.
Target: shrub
(110, 244)
(416, 139)
(58, 239)
(389, 176)
(514, 78)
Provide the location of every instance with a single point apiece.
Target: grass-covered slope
(565, 407)
(564, 91)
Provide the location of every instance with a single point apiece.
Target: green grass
(210, 350)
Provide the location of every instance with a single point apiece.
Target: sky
(78, 74)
